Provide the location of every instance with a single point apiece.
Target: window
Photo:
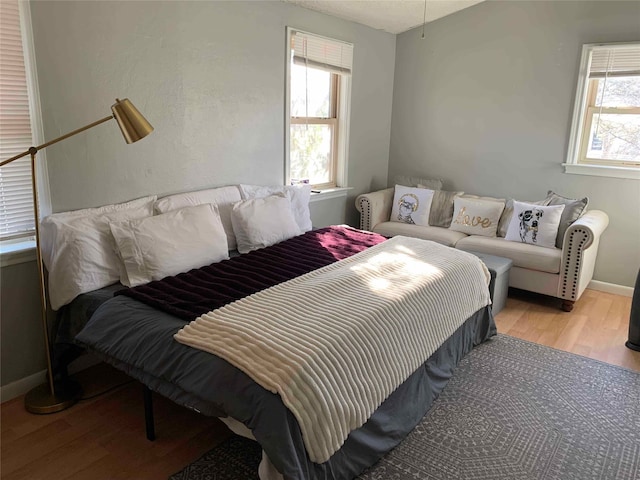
(19, 129)
(605, 137)
(318, 104)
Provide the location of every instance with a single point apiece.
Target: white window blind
(615, 62)
(16, 200)
(321, 52)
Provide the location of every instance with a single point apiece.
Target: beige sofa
(562, 273)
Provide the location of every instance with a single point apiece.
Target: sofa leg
(567, 305)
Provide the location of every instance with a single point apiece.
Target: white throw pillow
(411, 205)
(534, 224)
(476, 216)
(175, 242)
(223, 197)
(78, 248)
(507, 214)
(299, 195)
(260, 222)
(142, 202)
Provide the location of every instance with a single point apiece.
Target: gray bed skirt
(139, 340)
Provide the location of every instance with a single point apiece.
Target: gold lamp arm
(34, 150)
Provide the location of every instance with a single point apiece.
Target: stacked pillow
(534, 224)
(543, 222)
(421, 201)
(89, 249)
(475, 215)
(170, 243)
(574, 208)
(522, 219)
(263, 221)
(78, 248)
(299, 196)
(222, 197)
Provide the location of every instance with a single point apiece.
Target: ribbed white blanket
(336, 342)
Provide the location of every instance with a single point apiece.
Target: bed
(134, 331)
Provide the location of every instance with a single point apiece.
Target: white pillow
(476, 216)
(299, 195)
(223, 197)
(142, 202)
(534, 224)
(411, 205)
(175, 242)
(78, 249)
(260, 222)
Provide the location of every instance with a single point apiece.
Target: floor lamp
(48, 397)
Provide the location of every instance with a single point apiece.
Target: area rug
(513, 410)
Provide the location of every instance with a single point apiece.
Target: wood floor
(103, 437)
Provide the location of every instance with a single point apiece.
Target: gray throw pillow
(507, 213)
(407, 181)
(572, 211)
(441, 212)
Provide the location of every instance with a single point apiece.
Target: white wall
(209, 76)
(485, 102)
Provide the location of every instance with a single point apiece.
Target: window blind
(615, 61)
(321, 52)
(16, 198)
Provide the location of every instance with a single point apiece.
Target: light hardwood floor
(103, 437)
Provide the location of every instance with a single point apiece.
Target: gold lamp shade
(131, 122)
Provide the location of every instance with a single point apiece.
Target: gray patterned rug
(513, 410)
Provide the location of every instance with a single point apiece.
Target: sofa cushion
(441, 235)
(523, 255)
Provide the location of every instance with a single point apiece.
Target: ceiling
(393, 16)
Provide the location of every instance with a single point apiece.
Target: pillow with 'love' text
(475, 216)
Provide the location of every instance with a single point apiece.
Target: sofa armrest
(579, 252)
(374, 207)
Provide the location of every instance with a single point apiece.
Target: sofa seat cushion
(437, 234)
(523, 255)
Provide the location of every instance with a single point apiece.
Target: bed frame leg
(148, 414)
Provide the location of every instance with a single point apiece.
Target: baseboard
(610, 288)
(22, 386)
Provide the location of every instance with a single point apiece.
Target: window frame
(340, 111)
(19, 250)
(577, 161)
(332, 121)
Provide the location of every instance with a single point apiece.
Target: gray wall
(485, 102)
(21, 335)
(209, 76)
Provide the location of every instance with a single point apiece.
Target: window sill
(328, 193)
(13, 253)
(602, 171)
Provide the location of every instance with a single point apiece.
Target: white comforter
(336, 342)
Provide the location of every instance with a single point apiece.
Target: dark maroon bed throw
(189, 295)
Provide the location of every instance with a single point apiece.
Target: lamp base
(40, 401)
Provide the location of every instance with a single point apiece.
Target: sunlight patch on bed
(385, 272)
